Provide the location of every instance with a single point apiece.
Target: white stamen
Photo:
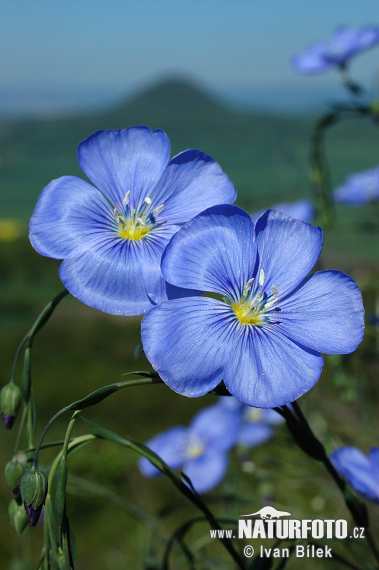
(126, 198)
(148, 200)
(115, 215)
(275, 294)
(158, 210)
(141, 221)
(248, 286)
(261, 277)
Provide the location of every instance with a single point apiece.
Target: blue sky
(117, 46)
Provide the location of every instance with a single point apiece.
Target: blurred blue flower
(361, 472)
(256, 423)
(111, 237)
(264, 339)
(345, 43)
(359, 189)
(200, 450)
(300, 210)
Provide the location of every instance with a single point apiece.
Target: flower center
(136, 224)
(253, 307)
(195, 448)
(253, 415)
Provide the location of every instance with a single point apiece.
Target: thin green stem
(68, 434)
(20, 429)
(44, 316)
(73, 443)
(16, 356)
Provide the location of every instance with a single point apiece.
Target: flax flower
(111, 235)
(264, 338)
(346, 42)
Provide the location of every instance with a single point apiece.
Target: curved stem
(320, 171)
(20, 347)
(90, 400)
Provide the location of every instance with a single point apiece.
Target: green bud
(10, 402)
(33, 492)
(17, 515)
(14, 470)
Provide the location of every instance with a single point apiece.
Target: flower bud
(14, 470)
(10, 402)
(17, 515)
(33, 492)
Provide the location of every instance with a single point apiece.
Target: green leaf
(25, 385)
(143, 373)
(72, 544)
(94, 397)
(60, 495)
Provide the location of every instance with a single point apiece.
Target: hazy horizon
(44, 102)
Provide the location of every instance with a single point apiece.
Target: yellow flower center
(253, 306)
(253, 415)
(194, 449)
(245, 315)
(132, 230)
(135, 224)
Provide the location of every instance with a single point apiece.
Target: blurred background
(214, 75)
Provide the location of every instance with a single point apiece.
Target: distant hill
(264, 155)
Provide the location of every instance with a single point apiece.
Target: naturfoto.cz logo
(273, 524)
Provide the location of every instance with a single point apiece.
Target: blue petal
(170, 445)
(126, 160)
(253, 434)
(207, 471)
(68, 213)
(195, 343)
(188, 342)
(216, 427)
(192, 182)
(108, 276)
(353, 464)
(213, 252)
(265, 369)
(313, 60)
(325, 313)
(374, 458)
(287, 248)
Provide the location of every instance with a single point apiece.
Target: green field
(82, 349)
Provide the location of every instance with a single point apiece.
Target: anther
(261, 277)
(158, 210)
(126, 198)
(148, 200)
(248, 286)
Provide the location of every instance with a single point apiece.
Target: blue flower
(345, 43)
(200, 450)
(111, 237)
(300, 210)
(361, 472)
(359, 189)
(265, 341)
